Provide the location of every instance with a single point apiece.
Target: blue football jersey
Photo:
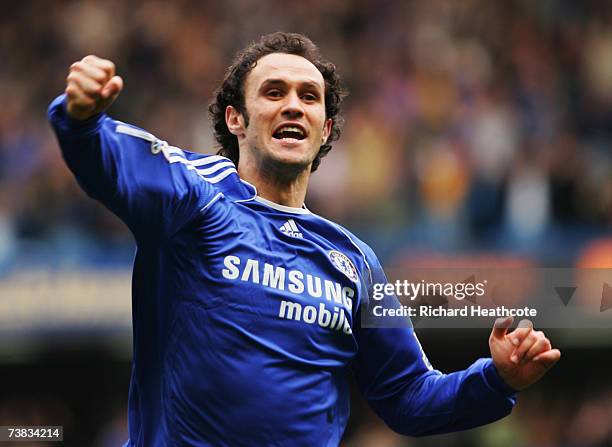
(246, 313)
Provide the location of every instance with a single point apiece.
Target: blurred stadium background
(475, 130)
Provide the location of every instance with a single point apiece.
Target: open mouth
(289, 133)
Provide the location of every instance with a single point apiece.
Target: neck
(277, 183)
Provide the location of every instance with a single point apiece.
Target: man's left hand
(523, 356)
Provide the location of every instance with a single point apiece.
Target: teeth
(291, 129)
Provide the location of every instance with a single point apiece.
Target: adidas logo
(291, 229)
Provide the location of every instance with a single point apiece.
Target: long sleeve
(130, 172)
(397, 380)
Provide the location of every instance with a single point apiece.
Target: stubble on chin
(282, 170)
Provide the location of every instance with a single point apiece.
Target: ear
(234, 121)
(327, 127)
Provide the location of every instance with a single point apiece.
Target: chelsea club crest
(344, 264)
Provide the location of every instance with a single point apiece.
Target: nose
(292, 108)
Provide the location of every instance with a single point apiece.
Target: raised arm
(148, 184)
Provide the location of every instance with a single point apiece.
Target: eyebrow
(274, 81)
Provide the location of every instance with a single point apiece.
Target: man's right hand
(91, 87)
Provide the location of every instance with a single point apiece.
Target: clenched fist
(91, 87)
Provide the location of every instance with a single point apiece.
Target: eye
(310, 97)
(274, 93)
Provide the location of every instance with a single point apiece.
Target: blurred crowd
(471, 125)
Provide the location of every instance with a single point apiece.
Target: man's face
(285, 102)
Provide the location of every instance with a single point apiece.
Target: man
(246, 306)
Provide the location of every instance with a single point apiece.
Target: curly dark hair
(231, 91)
